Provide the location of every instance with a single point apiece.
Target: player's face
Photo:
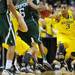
(57, 18)
(64, 9)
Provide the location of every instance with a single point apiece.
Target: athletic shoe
(8, 72)
(16, 69)
(40, 67)
(47, 66)
(1, 68)
(26, 69)
(57, 65)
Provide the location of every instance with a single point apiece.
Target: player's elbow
(23, 28)
(26, 29)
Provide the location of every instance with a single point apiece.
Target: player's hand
(33, 43)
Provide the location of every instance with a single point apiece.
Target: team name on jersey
(67, 22)
(21, 5)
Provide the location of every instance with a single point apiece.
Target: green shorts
(33, 31)
(6, 30)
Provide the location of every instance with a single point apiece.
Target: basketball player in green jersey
(7, 32)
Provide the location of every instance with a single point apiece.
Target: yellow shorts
(20, 48)
(69, 44)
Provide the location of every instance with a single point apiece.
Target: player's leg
(1, 56)
(9, 38)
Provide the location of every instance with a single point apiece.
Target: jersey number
(21, 10)
(68, 26)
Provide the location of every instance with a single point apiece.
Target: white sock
(15, 62)
(8, 64)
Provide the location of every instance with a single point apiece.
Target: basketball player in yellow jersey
(42, 27)
(20, 45)
(66, 33)
(49, 29)
(70, 50)
(64, 28)
(67, 29)
(46, 27)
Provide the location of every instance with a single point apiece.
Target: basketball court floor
(48, 73)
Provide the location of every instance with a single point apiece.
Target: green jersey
(3, 6)
(24, 9)
(35, 12)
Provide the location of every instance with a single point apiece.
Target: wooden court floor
(48, 73)
(51, 73)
